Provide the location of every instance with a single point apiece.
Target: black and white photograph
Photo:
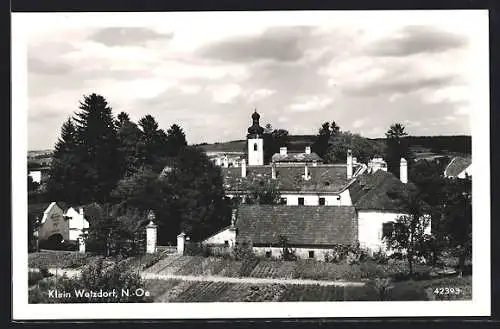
(251, 164)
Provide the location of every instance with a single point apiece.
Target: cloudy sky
(208, 71)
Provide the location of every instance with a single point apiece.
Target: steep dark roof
(380, 191)
(301, 225)
(296, 157)
(324, 178)
(456, 166)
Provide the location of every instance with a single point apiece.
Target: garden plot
(312, 293)
(173, 290)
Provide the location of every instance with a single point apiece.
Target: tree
(66, 170)
(325, 133)
(176, 140)
(397, 148)
(457, 219)
(408, 234)
(114, 230)
(130, 145)
(154, 141)
(192, 197)
(362, 148)
(139, 190)
(262, 191)
(273, 140)
(97, 150)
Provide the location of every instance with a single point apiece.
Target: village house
(322, 205)
(459, 167)
(61, 225)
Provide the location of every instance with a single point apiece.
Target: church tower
(255, 142)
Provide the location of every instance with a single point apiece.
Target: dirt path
(250, 280)
(213, 278)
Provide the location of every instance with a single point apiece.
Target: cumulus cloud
(415, 39)
(209, 79)
(276, 43)
(310, 103)
(128, 36)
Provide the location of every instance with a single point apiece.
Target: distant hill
(37, 154)
(424, 146)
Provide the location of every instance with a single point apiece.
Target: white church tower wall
(255, 142)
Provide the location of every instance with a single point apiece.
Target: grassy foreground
(176, 291)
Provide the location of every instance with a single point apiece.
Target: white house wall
(36, 175)
(467, 171)
(302, 253)
(53, 222)
(343, 199)
(77, 223)
(228, 235)
(370, 224)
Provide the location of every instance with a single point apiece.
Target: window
(226, 243)
(283, 201)
(322, 201)
(387, 229)
(255, 146)
(311, 254)
(268, 254)
(301, 201)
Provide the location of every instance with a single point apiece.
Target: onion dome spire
(255, 130)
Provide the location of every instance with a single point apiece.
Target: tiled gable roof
(324, 178)
(380, 191)
(296, 157)
(456, 166)
(301, 225)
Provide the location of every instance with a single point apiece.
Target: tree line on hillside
(124, 168)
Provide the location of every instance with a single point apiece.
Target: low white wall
(302, 253)
(228, 235)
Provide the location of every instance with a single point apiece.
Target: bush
(287, 254)
(351, 254)
(244, 253)
(34, 277)
(44, 272)
(197, 249)
(94, 278)
(380, 257)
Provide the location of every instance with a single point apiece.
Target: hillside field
(422, 146)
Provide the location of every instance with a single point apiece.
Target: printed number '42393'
(447, 291)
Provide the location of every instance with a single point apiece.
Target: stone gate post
(181, 239)
(151, 234)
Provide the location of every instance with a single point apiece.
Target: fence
(199, 249)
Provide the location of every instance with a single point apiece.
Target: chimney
(273, 171)
(306, 172)
(349, 164)
(403, 171)
(308, 150)
(81, 211)
(243, 168)
(283, 151)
